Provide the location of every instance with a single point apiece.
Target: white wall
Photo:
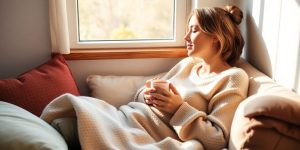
(273, 29)
(24, 35)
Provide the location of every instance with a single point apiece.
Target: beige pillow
(116, 90)
(261, 132)
(285, 107)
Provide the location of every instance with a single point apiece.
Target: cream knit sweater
(210, 102)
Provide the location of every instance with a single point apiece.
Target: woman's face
(199, 44)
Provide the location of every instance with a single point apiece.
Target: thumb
(148, 83)
(173, 89)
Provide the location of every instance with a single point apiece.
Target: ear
(215, 39)
(216, 43)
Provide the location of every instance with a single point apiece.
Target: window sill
(94, 54)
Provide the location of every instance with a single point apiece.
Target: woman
(205, 87)
(196, 113)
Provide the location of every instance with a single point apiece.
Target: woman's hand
(167, 101)
(147, 97)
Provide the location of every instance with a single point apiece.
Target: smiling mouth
(189, 46)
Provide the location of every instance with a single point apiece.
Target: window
(126, 23)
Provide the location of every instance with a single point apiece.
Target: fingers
(159, 97)
(147, 101)
(149, 97)
(149, 90)
(159, 106)
(158, 93)
(173, 89)
(159, 103)
(148, 83)
(162, 91)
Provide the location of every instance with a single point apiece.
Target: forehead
(193, 21)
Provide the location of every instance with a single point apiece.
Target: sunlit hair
(223, 24)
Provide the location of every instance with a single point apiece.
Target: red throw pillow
(34, 89)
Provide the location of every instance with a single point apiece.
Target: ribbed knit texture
(202, 122)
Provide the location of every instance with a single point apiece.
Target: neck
(216, 65)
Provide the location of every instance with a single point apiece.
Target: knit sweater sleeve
(212, 128)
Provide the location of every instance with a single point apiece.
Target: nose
(187, 36)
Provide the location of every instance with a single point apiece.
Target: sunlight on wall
(287, 67)
(278, 22)
(195, 4)
(213, 3)
(270, 28)
(256, 12)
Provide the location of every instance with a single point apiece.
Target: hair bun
(235, 14)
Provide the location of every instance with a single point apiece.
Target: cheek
(195, 39)
(201, 41)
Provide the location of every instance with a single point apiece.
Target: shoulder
(236, 72)
(181, 67)
(236, 78)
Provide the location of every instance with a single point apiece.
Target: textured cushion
(116, 90)
(34, 89)
(21, 130)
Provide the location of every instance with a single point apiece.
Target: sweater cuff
(185, 114)
(139, 96)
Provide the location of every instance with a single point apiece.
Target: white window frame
(178, 41)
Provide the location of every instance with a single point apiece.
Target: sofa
(269, 119)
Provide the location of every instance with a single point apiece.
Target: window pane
(125, 19)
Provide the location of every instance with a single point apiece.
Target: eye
(194, 30)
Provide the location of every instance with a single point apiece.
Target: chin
(190, 52)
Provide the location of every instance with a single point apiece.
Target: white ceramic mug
(164, 84)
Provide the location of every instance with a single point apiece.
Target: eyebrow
(193, 26)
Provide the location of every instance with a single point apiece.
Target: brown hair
(223, 24)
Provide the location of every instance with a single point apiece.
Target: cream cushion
(116, 90)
